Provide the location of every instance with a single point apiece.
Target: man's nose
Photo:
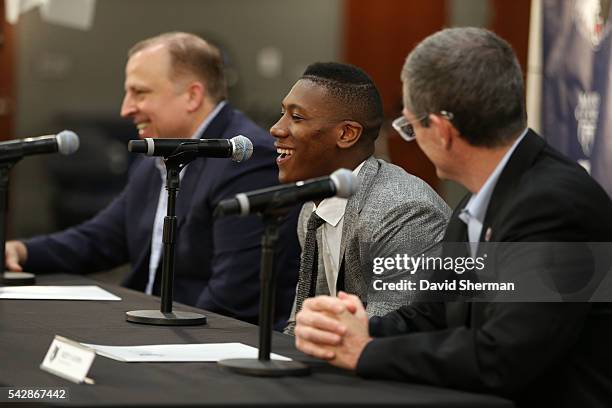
(128, 108)
(279, 130)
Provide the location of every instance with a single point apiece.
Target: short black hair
(357, 96)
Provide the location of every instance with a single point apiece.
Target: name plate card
(69, 360)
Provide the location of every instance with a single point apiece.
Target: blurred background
(62, 67)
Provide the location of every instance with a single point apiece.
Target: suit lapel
(217, 127)
(457, 312)
(522, 158)
(354, 206)
(152, 198)
(194, 171)
(189, 183)
(456, 230)
(150, 182)
(466, 313)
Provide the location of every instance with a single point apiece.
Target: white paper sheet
(179, 352)
(86, 292)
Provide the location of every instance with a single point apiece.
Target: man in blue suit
(175, 88)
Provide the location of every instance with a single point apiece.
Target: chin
(288, 178)
(443, 175)
(147, 136)
(285, 179)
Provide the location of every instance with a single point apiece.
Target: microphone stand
(165, 316)
(9, 278)
(263, 366)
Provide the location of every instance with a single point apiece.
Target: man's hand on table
(333, 329)
(15, 255)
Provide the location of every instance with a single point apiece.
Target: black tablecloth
(27, 328)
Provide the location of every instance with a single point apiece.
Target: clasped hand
(333, 329)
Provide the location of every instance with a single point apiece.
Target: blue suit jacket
(216, 261)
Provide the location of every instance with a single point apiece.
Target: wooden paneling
(7, 77)
(510, 20)
(378, 35)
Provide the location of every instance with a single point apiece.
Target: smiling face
(307, 133)
(158, 105)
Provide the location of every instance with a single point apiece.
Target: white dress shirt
(162, 204)
(474, 212)
(332, 211)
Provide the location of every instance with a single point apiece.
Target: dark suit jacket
(539, 354)
(216, 261)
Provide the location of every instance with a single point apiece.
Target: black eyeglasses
(406, 129)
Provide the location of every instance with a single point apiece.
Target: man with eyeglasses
(464, 106)
(330, 120)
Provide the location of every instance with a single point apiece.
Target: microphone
(65, 142)
(238, 148)
(341, 183)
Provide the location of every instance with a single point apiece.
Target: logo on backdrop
(576, 85)
(591, 19)
(586, 114)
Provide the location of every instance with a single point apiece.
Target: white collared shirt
(474, 212)
(162, 204)
(332, 211)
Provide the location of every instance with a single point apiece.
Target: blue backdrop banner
(576, 83)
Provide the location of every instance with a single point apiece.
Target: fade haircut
(356, 95)
(472, 73)
(190, 54)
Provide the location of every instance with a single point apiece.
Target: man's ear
(196, 91)
(445, 132)
(350, 133)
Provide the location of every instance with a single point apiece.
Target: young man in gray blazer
(464, 106)
(330, 120)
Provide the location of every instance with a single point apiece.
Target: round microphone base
(158, 318)
(265, 368)
(18, 279)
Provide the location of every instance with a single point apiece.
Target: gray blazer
(391, 212)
